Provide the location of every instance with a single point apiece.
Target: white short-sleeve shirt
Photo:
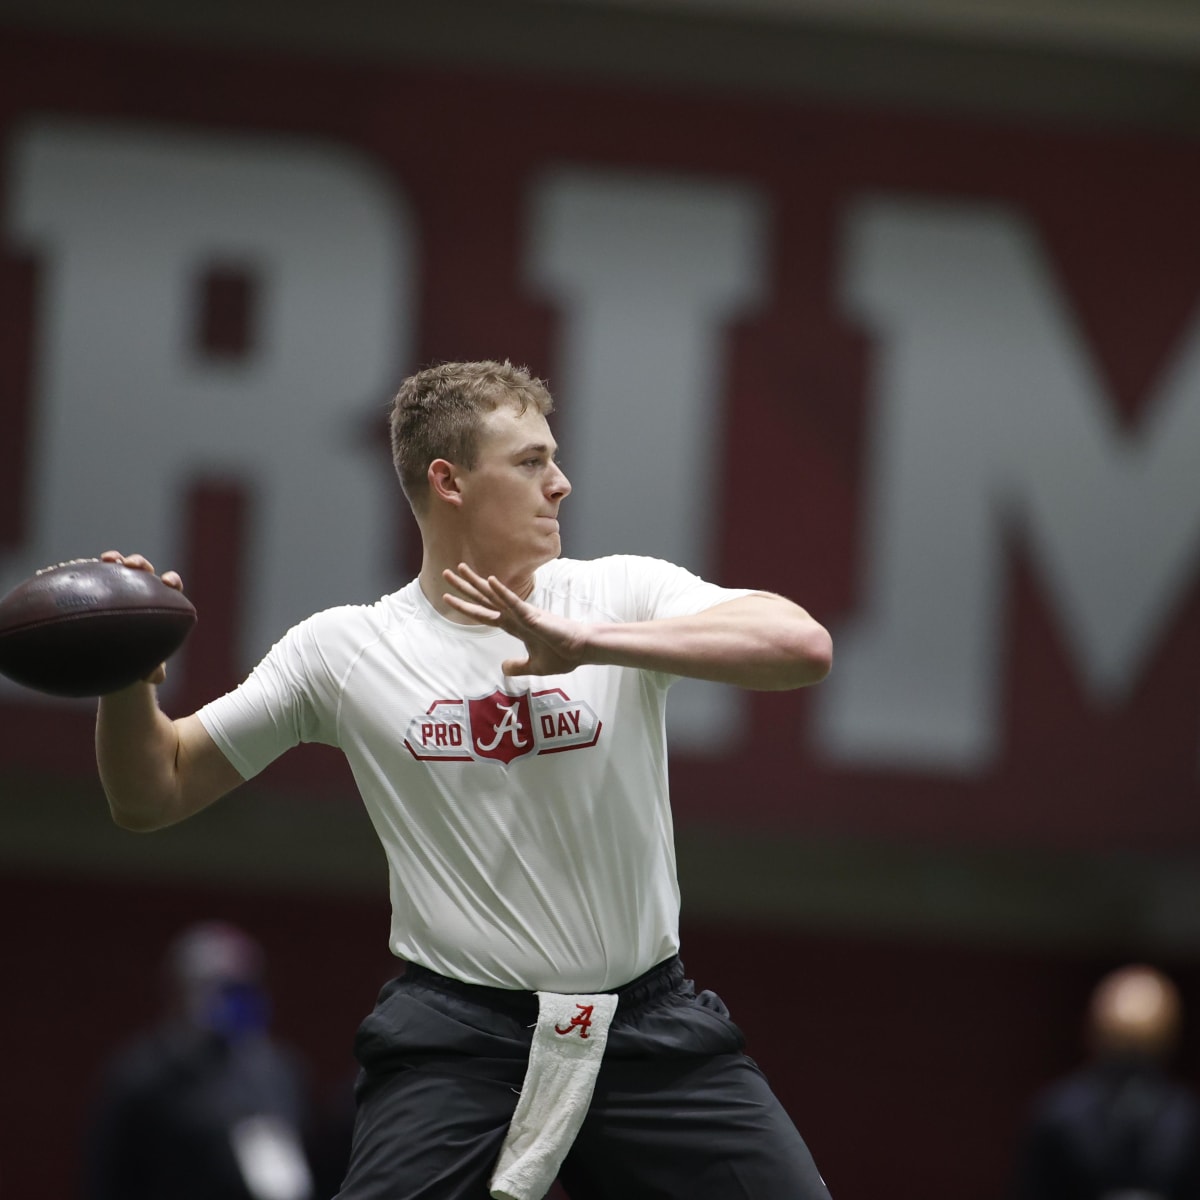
(525, 819)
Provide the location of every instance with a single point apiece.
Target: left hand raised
(554, 645)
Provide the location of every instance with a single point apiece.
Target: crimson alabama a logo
(582, 1021)
(501, 727)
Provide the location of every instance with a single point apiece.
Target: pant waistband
(656, 982)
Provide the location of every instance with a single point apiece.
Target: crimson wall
(937, 378)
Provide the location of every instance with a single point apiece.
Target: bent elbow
(820, 653)
(810, 656)
(136, 819)
(133, 822)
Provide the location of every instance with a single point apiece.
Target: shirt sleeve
(290, 697)
(662, 589)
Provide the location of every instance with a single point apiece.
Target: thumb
(515, 666)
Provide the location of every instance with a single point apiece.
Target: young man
(504, 718)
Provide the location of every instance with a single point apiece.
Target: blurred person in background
(1119, 1128)
(206, 1105)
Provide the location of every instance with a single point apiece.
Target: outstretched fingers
(551, 644)
(501, 592)
(486, 598)
(468, 596)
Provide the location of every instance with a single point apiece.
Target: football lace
(71, 562)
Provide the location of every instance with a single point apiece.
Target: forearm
(137, 749)
(762, 642)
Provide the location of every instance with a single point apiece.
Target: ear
(444, 482)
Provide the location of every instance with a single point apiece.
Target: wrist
(598, 645)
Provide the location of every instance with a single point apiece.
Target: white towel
(564, 1061)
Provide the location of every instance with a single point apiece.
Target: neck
(435, 587)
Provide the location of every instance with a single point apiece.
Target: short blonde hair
(438, 411)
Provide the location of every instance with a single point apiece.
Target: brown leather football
(87, 628)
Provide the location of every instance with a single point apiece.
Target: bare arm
(762, 641)
(155, 771)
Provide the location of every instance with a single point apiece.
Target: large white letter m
(990, 418)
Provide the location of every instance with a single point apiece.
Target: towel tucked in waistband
(564, 1060)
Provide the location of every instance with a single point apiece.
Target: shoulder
(319, 652)
(140, 1064)
(1059, 1106)
(612, 585)
(613, 571)
(633, 586)
(360, 618)
(348, 627)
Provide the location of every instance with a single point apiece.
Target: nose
(558, 485)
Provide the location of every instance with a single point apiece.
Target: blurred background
(889, 306)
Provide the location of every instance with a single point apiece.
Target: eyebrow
(537, 448)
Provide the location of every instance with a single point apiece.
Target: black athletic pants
(679, 1112)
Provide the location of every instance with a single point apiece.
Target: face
(512, 494)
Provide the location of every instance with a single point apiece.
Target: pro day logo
(501, 727)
